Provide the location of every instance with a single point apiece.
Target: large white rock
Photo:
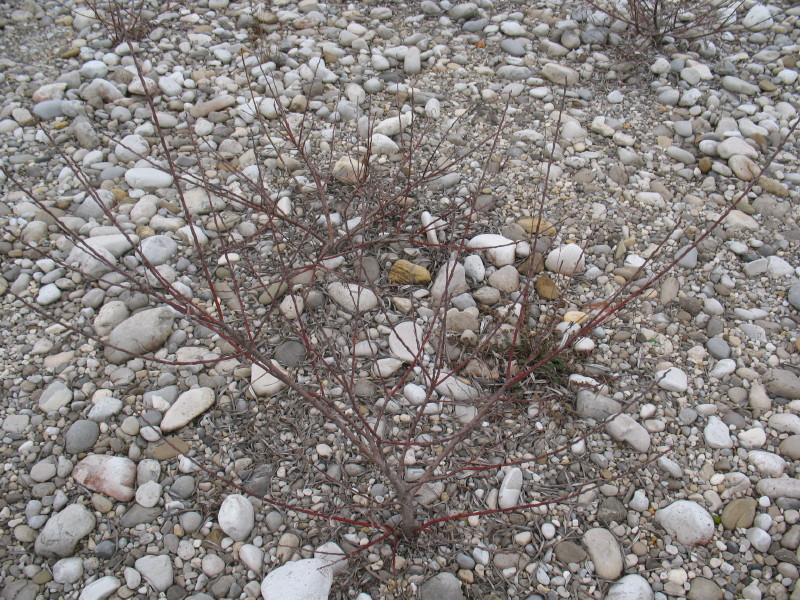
(768, 464)
(109, 316)
(156, 570)
(333, 554)
(382, 144)
(405, 341)
(307, 579)
(394, 125)
(758, 18)
(188, 406)
(132, 147)
(456, 389)
(144, 332)
(603, 549)
(201, 202)
(263, 383)
(500, 250)
(113, 476)
(62, 532)
(687, 522)
(624, 429)
(716, 433)
(451, 280)
(158, 249)
(672, 380)
(779, 487)
(68, 570)
(146, 178)
(510, 489)
(100, 589)
(630, 587)
(352, 297)
(236, 517)
(567, 260)
(252, 557)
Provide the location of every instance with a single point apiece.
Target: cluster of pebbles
(102, 493)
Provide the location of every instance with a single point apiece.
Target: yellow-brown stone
(405, 272)
(546, 287)
(533, 225)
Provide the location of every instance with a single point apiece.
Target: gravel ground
(125, 477)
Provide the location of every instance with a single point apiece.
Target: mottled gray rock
(156, 570)
(444, 586)
(604, 550)
(307, 579)
(687, 522)
(236, 517)
(782, 382)
(81, 436)
(63, 531)
(631, 587)
(144, 332)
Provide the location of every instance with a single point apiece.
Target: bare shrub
(327, 236)
(653, 20)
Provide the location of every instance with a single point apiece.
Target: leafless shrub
(303, 240)
(654, 20)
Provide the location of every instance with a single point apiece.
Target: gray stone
(142, 333)
(306, 579)
(794, 296)
(236, 517)
(784, 383)
(156, 570)
(187, 407)
(55, 396)
(159, 249)
(444, 586)
(718, 348)
(137, 515)
(63, 531)
(596, 406)
(738, 86)
(560, 74)
(450, 280)
(290, 353)
(687, 522)
(624, 428)
(630, 587)
(81, 436)
(604, 550)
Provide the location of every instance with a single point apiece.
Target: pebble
(604, 551)
(510, 489)
(716, 433)
(630, 587)
(672, 379)
(156, 570)
(687, 522)
(186, 408)
(63, 531)
(306, 579)
(100, 589)
(236, 517)
(110, 475)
